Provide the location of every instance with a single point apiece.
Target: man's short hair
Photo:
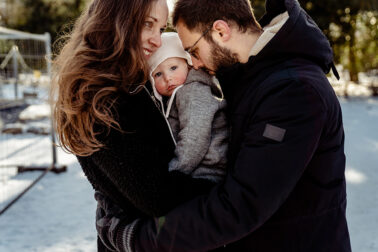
(199, 15)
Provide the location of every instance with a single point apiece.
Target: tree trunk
(353, 71)
(77, 4)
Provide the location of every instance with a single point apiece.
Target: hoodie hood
(299, 36)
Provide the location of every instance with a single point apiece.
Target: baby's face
(170, 74)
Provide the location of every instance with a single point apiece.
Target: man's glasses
(191, 50)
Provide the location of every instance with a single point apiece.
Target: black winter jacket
(285, 188)
(132, 168)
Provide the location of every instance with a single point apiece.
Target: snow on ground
(35, 112)
(362, 89)
(361, 148)
(58, 213)
(9, 91)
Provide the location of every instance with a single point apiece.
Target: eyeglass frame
(190, 49)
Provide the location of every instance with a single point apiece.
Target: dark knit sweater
(132, 170)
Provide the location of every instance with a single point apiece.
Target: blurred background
(46, 203)
(350, 25)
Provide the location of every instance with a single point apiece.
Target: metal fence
(26, 136)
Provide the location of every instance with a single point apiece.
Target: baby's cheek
(181, 79)
(159, 86)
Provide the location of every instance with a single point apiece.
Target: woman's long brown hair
(101, 58)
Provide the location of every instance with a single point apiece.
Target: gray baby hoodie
(196, 115)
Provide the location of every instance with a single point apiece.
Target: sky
(170, 4)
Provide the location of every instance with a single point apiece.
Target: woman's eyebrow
(154, 18)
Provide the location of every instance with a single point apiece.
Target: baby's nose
(167, 77)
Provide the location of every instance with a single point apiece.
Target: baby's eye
(173, 68)
(158, 74)
(162, 30)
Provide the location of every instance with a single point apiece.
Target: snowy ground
(361, 148)
(58, 213)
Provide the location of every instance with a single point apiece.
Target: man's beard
(222, 57)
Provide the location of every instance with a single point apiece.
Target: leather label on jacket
(273, 132)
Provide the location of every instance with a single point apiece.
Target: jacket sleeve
(264, 174)
(133, 163)
(196, 109)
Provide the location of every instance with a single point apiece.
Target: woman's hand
(112, 226)
(108, 220)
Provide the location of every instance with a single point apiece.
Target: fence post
(15, 70)
(48, 65)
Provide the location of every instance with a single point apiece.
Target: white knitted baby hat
(171, 47)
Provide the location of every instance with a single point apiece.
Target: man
(285, 188)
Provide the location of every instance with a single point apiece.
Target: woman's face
(154, 25)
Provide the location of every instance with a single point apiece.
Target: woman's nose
(155, 39)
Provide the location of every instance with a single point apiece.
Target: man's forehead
(187, 37)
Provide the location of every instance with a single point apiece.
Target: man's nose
(197, 64)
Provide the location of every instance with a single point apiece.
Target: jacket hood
(298, 37)
(198, 76)
(205, 79)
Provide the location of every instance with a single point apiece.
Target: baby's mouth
(170, 88)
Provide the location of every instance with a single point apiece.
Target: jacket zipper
(161, 112)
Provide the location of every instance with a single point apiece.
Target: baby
(195, 109)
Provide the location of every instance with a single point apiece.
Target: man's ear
(221, 31)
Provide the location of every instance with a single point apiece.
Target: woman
(105, 113)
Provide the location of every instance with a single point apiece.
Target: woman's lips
(147, 52)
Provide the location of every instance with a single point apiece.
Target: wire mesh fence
(26, 135)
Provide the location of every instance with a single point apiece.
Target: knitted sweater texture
(132, 168)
